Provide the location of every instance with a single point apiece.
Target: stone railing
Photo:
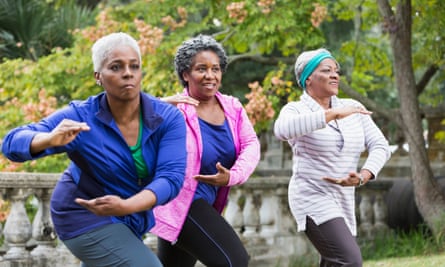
(257, 210)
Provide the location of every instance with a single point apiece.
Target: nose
(209, 74)
(128, 72)
(335, 74)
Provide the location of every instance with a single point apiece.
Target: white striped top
(331, 149)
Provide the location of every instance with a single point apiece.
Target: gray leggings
(335, 243)
(113, 245)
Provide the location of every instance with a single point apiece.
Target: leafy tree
(382, 46)
(32, 28)
(398, 22)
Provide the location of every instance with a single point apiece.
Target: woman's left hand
(352, 180)
(221, 178)
(178, 98)
(104, 206)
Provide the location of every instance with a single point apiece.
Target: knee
(353, 260)
(240, 260)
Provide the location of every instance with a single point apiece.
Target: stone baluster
(233, 213)
(17, 230)
(269, 214)
(252, 215)
(151, 241)
(366, 215)
(380, 213)
(43, 229)
(64, 257)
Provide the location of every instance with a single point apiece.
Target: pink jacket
(171, 216)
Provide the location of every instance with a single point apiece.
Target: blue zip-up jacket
(102, 164)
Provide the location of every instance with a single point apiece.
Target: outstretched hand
(109, 205)
(178, 98)
(351, 180)
(221, 178)
(66, 131)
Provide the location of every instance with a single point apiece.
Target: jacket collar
(150, 117)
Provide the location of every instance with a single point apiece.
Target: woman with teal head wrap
(307, 62)
(327, 135)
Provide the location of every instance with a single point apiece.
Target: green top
(136, 152)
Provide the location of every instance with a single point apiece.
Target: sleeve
(292, 123)
(249, 154)
(378, 148)
(171, 159)
(16, 143)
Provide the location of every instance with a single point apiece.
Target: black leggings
(335, 243)
(206, 236)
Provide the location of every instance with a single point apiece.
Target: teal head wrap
(311, 65)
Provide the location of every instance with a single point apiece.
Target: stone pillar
(17, 229)
(234, 210)
(43, 230)
(366, 215)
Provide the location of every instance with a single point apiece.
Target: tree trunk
(429, 199)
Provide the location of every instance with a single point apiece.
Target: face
(204, 76)
(121, 74)
(323, 82)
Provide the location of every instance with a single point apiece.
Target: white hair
(304, 58)
(102, 47)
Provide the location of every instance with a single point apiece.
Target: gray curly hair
(188, 50)
(102, 47)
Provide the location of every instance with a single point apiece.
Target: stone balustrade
(257, 210)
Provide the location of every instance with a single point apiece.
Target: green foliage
(31, 29)
(440, 135)
(402, 244)
(262, 39)
(395, 245)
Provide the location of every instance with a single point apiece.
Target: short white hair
(304, 58)
(102, 47)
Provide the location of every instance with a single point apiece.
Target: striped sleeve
(377, 145)
(292, 122)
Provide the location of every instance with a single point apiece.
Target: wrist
(361, 180)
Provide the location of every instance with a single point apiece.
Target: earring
(98, 82)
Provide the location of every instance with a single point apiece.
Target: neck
(124, 112)
(324, 102)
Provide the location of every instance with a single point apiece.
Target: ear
(97, 77)
(185, 76)
(308, 80)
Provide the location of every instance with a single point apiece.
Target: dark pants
(335, 243)
(113, 245)
(206, 236)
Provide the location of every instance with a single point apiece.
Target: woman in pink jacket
(223, 151)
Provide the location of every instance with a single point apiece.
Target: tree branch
(429, 73)
(261, 59)
(392, 115)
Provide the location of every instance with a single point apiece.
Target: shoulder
(349, 102)
(295, 105)
(229, 101)
(160, 107)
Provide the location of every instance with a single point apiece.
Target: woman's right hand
(64, 133)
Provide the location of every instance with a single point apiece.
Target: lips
(209, 85)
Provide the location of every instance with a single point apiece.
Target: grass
(416, 248)
(415, 261)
